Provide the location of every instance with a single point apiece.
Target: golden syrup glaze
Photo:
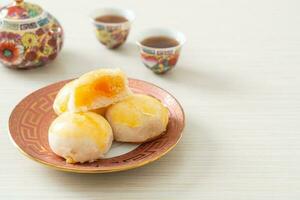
(130, 111)
(89, 125)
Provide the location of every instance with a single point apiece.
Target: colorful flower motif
(54, 28)
(24, 11)
(159, 63)
(173, 59)
(29, 40)
(43, 59)
(112, 38)
(10, 36)
(46, 50)
(16, 12)
(52, 56)
(31, 49)
(33, 10)
(52, 42)
(11, 52)
(39, 32)
(119, 35)
(103, 36)
(31, 56)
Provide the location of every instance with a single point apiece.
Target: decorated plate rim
(111, 169)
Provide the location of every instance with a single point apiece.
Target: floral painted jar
(29, 36)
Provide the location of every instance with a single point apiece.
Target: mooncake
(80, 137)
(138, 118)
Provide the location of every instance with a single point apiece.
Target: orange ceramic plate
(30, 119)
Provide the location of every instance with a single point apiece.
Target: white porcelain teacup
(160, 60)
(112, 35)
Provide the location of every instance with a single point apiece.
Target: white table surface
(237, 79)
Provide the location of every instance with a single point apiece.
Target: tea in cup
(160, 48)
(112, 25)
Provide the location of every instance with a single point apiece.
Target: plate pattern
(31, 118)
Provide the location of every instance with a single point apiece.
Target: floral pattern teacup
(112, 35)
(160, 60)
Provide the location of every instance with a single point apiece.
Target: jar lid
(20, 10)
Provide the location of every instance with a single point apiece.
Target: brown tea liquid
(111, 19)
(160, 42)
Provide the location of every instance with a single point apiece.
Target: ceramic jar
(29, 36)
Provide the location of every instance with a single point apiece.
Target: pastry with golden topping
(138, 118)
(61, 101)
(80, 137)
(98, 89)
(60, 104)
